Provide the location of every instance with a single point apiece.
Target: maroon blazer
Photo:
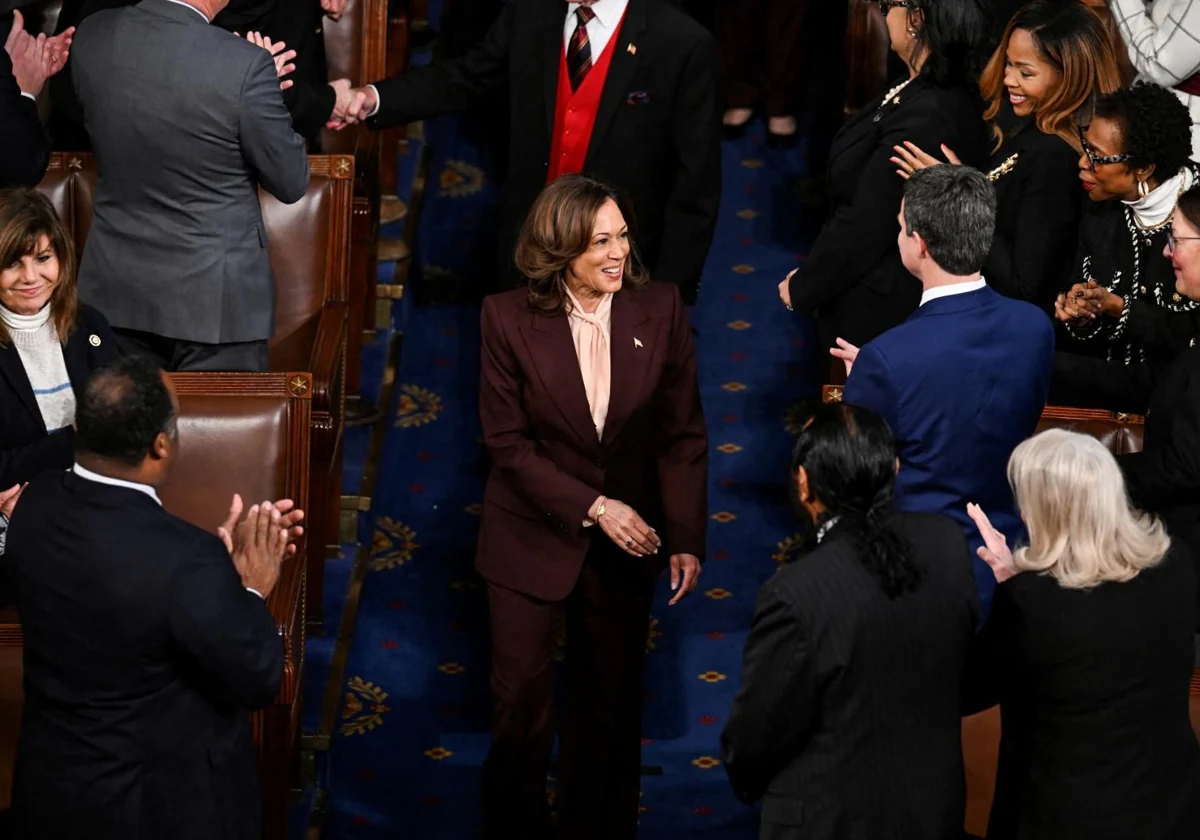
(548, 465)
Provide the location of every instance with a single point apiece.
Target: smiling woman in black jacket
(853, 280)
(49, 342)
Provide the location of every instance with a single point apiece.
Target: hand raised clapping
(994, 551)
(35, 60)
(279, 54)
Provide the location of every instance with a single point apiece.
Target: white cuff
(256, 592)
(376, 92)
(30, 95)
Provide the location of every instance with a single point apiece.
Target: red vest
(575, 113)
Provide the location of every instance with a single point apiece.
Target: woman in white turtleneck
(1123, 307)
(49, 342)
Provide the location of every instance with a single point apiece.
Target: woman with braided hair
(848, 718)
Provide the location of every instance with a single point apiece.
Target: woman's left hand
(785, 291)
(909, 158)
(994, 550)
(686, 566)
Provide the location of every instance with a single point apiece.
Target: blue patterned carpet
(413, 730)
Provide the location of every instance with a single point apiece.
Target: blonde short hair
(1082, 528)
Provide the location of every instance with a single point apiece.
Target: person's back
(143, 648)
(186, 121)
(964, 380)
(848, 721)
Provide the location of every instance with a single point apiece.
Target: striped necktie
(579, 50)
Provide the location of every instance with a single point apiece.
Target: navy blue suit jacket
(960, 383)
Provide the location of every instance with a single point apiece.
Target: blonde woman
(1089, 651)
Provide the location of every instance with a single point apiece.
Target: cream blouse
(591, 333)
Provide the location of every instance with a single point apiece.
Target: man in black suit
(847, 724)
(25, 64)
(146, 638)
(623, 90)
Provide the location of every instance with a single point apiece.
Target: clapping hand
(279, 54)
(994, 551)
(35, 60)
(262, 541)
(1085, 301)
(8, 498)
(289, 518)
(909, 158)
(845, 351)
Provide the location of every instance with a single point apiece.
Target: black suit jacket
(25, 447)
(857, 244)
(847, 724)
(1038, 201)
(1093, 692)
(143, 652)
(24, 149)
(660, 147)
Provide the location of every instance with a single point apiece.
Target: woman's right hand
(910, 157)
(994, 551)
(628, 530)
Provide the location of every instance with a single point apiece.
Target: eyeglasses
(1094, 159)
(1173, 240)
(886, 6)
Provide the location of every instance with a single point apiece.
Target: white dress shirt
(1163, 42)
(85, 473)
(952, 289)
(600, 31)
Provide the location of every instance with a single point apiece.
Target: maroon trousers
(606, 619)
(762, 51)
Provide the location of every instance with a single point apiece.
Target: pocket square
(638, 97)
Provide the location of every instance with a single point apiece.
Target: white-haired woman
(1089, 651)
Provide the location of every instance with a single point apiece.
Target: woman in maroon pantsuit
(591, 413)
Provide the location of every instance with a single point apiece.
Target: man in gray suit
(186, 121)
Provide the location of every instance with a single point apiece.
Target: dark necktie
(579, 50)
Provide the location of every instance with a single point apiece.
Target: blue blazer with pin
(961, 383)
(27, 447)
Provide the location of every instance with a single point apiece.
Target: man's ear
(161, 447)
(922, 248)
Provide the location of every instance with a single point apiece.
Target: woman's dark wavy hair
(1156, 127)
(849, 455)
(959, 36)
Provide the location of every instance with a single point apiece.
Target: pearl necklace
(893, 94)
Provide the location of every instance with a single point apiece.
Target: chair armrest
(327, 362)
(286, 603)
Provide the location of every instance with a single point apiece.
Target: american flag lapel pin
(637, 342)
(631, 49)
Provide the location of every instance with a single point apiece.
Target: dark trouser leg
(514, 774)
(740, 26)
(784, 56)
(860, 315)
(240, 357)
(601, 733)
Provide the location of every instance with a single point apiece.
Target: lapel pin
(637, 342)
(94, 340)
(631, 49)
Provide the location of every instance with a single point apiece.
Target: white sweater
(41, 354)
(1163, 41)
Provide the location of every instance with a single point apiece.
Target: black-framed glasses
(1173, 240)
(1094, 159)
(886, 6)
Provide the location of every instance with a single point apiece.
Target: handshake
(354, 105)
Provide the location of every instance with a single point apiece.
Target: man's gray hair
(953, 208)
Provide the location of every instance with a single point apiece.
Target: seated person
(964, 380)
(49, 341)
(1088, 650)
(848, 717)
(1134, 168)
(147, 639)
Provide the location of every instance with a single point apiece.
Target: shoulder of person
(508, 303)
(660, 300)
(89, 316)
(683, 29)
(930, 529)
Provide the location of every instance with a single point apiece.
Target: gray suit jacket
(186, 121)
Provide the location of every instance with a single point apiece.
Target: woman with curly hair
(1134, 168)
(1053, 59)
(847, 723)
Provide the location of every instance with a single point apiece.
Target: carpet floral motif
(393, 544)
(417, 407)
(363, 708)
(460, 179)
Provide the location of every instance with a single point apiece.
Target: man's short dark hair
(125, 406)
(953, 208)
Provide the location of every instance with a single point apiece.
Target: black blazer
(1093, 689)
(143, 652)
(847, 724)
(656, 136)
(25, 447)
(1038, 201)
(857, 244)
(24, 149)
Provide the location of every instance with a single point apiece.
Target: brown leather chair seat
(309, 248)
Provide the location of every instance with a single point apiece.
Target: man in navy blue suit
(965, 378)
